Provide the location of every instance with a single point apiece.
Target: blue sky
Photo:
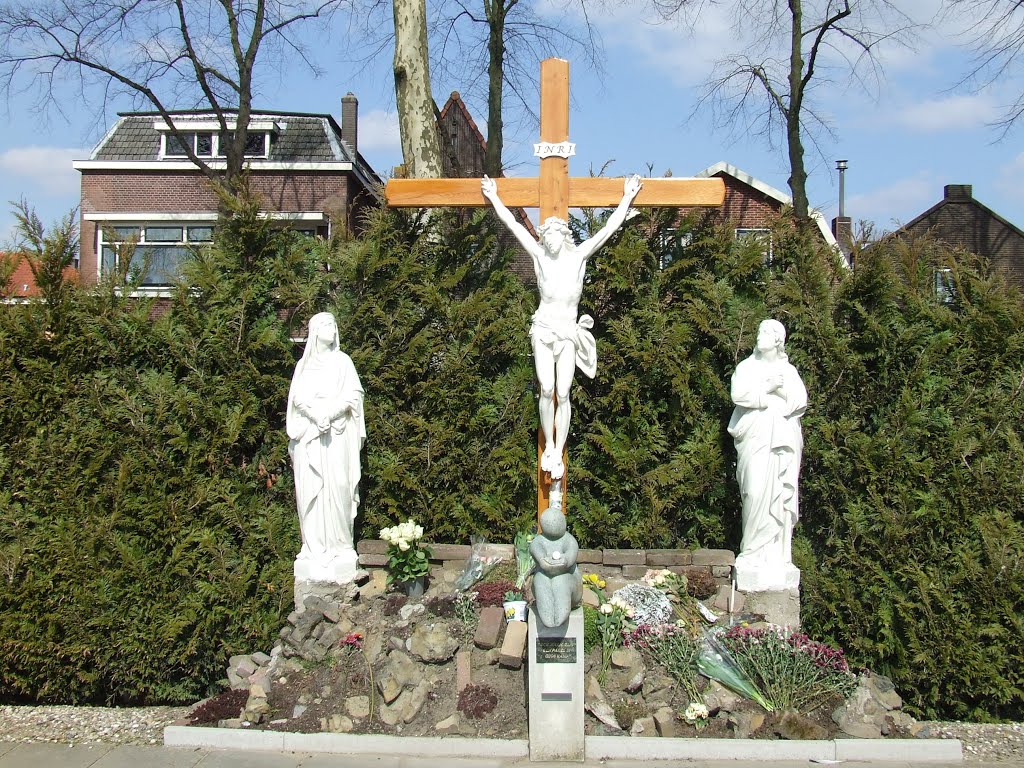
(913, 134)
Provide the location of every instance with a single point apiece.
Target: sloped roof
(723, 168)
(22, 284)
(298, 138)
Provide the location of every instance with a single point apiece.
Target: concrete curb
(861, 750)
(343, 743)
(597, 747)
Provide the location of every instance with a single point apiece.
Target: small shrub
(442, 606)
(493, 592)
(591, 634)
(506, 570)
(464, 606)
(475, 701)
(393, 604)
(700, 585)
(627, 711)
(223, 706)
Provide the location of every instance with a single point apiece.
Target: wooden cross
(554, 191)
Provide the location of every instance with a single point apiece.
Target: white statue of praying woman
(561, 340)
(326, 432)
(770, 398)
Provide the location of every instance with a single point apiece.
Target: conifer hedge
(147, 524)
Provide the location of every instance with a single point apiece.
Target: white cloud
(1008, 182)
(46, 168)
(949, 113)
(378, 131)
(895, 204)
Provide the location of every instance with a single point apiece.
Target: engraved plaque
(556, 650)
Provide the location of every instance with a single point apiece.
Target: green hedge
(146, 508)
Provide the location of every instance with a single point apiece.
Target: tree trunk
(495, 10)
(417, 124)
(794, 141)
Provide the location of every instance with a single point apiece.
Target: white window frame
(746, 232)
(142, 225)
(666, 242)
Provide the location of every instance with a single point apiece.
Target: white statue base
(753, 576)
(323, 577)
(556, 689)
(339, 569)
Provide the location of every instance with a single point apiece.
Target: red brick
(625, 557)
(372, 547)
(713, 557)
(449, 551)
(514, 646)
(663, 557)
(488, 630)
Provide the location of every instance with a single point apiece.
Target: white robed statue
(770, 398)
(326, 432)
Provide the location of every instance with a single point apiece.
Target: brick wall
(966, 224)
(744, 206)
(629, 564)
(189, 192)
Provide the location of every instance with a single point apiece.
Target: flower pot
(515, 610)
(415, 587)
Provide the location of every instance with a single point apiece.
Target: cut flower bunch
(407, 558)
(789, 670)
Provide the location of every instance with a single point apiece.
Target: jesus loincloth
(559, 336)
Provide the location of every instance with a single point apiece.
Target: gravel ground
(144, 725)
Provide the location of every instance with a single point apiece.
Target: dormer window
(200, 142)
(257, 144)
(206, 140)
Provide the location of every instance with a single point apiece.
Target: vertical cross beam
(554, 128)
(554, 201)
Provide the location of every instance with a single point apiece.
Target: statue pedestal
(555, 664)
(320, 577)
(765, 577)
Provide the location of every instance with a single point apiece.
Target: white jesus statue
(561, 340)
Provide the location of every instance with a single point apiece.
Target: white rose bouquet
(407, 558)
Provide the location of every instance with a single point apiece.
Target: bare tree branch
(796, 46)
(167, 54)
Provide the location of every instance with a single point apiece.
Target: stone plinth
(555, 657)
(780, 607)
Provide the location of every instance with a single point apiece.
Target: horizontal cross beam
(587, 192)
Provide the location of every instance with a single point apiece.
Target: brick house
(750, 204)
(137, 184)
(463, 148)
(962, 222)
(21, 286)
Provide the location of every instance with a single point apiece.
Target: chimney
(350, 121)
(958, 192)
(842, 225)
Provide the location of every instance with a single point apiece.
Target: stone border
(597, 747)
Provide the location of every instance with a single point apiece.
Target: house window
(211, 144)
(945, 290)
(759, 235)
(670, 244)
(200, 142)
(257, 144)
(161, 248)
